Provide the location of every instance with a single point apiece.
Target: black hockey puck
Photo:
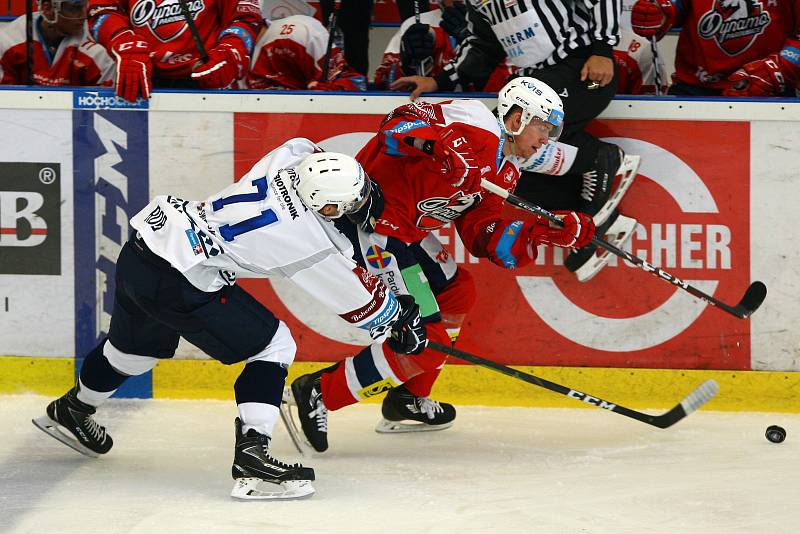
(775, 434)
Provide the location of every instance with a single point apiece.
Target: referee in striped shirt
(565, 43)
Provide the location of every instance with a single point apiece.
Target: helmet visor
(556, 118)
(352, 206)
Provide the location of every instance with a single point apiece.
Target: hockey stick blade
(752, 299)
(704, 393)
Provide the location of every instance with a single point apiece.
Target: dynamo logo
(105, 100)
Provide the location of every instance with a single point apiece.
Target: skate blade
(627, 172)
(292, 425)
(52, 428)
(255, 489)
(385, 426)
(621, 232)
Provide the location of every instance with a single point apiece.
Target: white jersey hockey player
(176, 277)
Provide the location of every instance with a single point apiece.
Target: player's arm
(476, 57)
(109, 25)
(229, 58)
(363, 301)
(769, 76)
(513, 243)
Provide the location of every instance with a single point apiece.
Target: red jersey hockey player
(431, 44)
(152, 40)
(633, 55)
(63, 53)
(429, 160)
(290, 54)
(729, 47)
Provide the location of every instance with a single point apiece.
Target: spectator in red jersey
(153, 45)
(424, 49)
(728, 47)
(291, 54)
(63, 52)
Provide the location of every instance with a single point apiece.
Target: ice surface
(496, 470)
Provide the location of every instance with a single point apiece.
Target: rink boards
(715, 199)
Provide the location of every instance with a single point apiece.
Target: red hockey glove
(652, 17)
(133, 65)
(457, 159)
(388, 71)
(763, 77)
(577, 231)
(227, 62)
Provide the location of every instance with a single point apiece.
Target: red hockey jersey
(418, 198)
(161, 23)
(719, 36)
(290, 54)
(76, 61)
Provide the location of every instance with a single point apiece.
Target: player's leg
(134, 344)
(232, 327)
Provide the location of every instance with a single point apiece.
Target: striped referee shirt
(531, 34)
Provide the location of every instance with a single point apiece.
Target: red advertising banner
(691, 199)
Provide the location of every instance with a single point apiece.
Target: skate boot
(260, 476)
(85, 435)
(599, 197)
(586, 262)
(307, 396)
(401, 405)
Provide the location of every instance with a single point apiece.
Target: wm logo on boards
(30, 218)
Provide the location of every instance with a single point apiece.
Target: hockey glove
(416, 49)
(515, 244)
(653, 17)
(368, 214)
(408, 333)
(763, 77)
(388, 71)
(454, 21)
(458, 162)
(134, 69)
(227, 62)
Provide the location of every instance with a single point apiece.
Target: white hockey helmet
(536, 99)
(76, 9)
(332, 178)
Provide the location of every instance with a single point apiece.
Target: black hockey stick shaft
(692, 402)
(187, 15)
(326, 65)
(422, 66)
(656, 65)
(752, 299)
(29, 39)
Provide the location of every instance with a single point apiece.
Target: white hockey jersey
(259, 226)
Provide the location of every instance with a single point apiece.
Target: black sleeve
(476, 57)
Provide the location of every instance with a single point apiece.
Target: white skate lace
(274, 461)
(429, 407)
(319, 413)
(589, 185)
(97, 431)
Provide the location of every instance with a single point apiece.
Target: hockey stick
(749, 303)
(701, 395)
(656, 65)
(29, 38)
(193, 29)
(332, 18)
(422, 67)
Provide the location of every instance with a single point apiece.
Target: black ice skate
(306, 395)
(260, 476)
(401, 405)
(599, 197)
(85, 435)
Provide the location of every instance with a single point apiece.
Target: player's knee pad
(128, 364)
(281, 349)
